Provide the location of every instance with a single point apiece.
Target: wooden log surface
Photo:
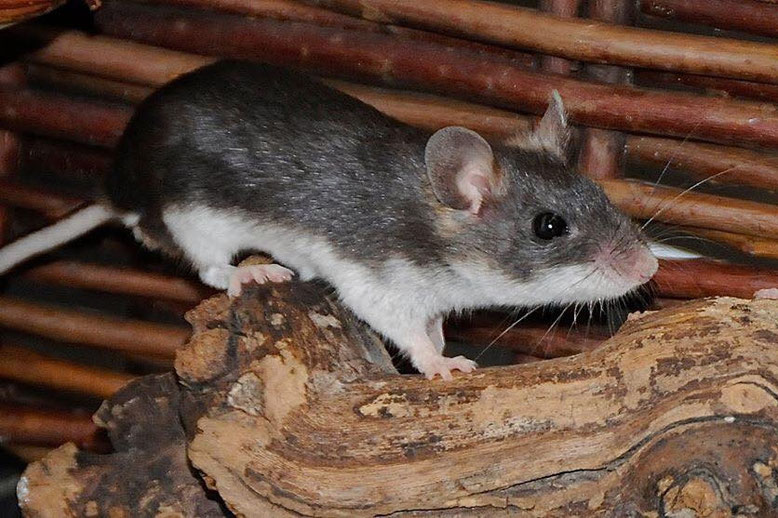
(434, 67)
(711, 85)
(290, 410)
(15, 11)
(574, 38)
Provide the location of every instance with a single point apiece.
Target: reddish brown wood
(562, 9)
(751, 245)
(25, 425)
(12, 76)
(533, 340)
(698, 278)
(602, 150)
(59, 116)
(711, 85)
(63, 80)
(119, 280)
(643, 201)
(58, 323)
(15, 11)
(51, 204)
(575, 38)
(294, 11)
(739, 166)
(57, 156)
(740, 15)
(434, 67)
(79, 51)
(26, 366)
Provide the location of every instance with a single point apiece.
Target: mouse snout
(634, 266)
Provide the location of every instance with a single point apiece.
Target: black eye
(548, 225)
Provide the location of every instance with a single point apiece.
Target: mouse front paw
(442, 365)
(259, 273)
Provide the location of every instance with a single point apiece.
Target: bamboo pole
(642, 200)
(23, 365)
(696, 278)
(119, 280)
(736, 165)
(575, 38)
(430, 66)
(57, 323)
(739, 15)
(711, 85)
(59, 116)
(32, 426)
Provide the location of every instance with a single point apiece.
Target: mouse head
(523, 227)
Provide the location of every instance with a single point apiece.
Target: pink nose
(640, 265)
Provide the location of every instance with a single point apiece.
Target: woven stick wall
(661, 100)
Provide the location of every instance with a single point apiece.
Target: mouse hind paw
(443, 365)
(259, 273)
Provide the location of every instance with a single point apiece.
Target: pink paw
(443, 365)
(259, 273)
(767, 293)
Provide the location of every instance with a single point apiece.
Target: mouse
(408, 226)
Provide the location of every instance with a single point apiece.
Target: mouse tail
(61, 232)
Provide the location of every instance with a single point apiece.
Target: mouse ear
(551, 135)
(460, 166)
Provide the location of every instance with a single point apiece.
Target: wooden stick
(79, 51)
(575, 38)
(642, 200)
(15, 11)
(562, 9)
(78, 327)
(739, 15)
(291, 10)
(751, 245)
(432, 112)
(119, 280)
(533, 340)
(52, 205)
(696, 278)
(80, 83)
(711, 85)
(58, 156)
(739, 166)
(24, 425)
(602, 151)
(430, 66)
(26, 452)
(23, 365)
(59, 116)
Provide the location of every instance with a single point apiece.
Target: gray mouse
(407, 226)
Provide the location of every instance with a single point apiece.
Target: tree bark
(289, 407)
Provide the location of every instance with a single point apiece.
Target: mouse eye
(548, 225)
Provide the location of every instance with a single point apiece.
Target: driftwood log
(285, 406)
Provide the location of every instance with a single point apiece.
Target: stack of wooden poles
(644, 94)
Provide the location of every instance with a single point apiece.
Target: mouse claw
(442, 365)
(259, 273)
